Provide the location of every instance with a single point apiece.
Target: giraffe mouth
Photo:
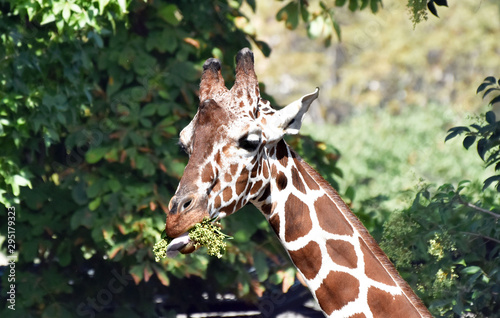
(182, 244)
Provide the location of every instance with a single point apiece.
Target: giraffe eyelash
(183, 147)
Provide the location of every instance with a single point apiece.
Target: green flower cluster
(160, 248)
(208, 234)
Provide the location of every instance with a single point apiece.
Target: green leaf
(264, 48)
(490, 117)
(489, 90)
(95, 188)
(185, 70)
(374, 5)
(123, 5)
(364, 4)
(289, 14)
(114, 185)
(468, 141)
(350, 193)
(261, 268)
(102, 5)
(471, 270)
(148, 110)
(353, 5)
(170, 14)
(495, 100)
(95, 154)
(137, 272)
(66, 12)
(489, 181)
(79, 194)
(482, 148)
(95, 204)
(48, 17)
(490, 79)
(82, 217)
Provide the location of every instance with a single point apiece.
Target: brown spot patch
(230, 208)
(254, 171)
(227, 194)
(207, 174)
(336, 291)
(385, 305)
(217, 202)
(274, 172)
(330, 218)
(307, 259)
(373, 268)
(282, 152)
(281, 181)
(228, 177)
(265, 170)
(342, 253)
(217, 187)
(256, 187)
(266, 193)
(217, 157)
(358, 316)
(240, 204)
(275, 223)
(241, 182)
(233, 169)
(297, 218)
(297, 182)
(272, 151)
(311, 184)
(267, 209)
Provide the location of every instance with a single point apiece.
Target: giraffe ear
(289, 119)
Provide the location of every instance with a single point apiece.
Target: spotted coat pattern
(237, 156)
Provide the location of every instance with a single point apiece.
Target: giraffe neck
(343, 266)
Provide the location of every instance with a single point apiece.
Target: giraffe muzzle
(184, 212)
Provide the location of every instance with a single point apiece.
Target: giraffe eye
(249, 142)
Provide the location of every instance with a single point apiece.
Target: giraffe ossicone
(237, 155)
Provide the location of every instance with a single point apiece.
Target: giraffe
(237, 155)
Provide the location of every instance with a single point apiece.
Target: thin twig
(475, 207)
(483, 236)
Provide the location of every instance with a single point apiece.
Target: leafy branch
(487, 134)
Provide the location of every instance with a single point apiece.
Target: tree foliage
(486, 132)
(455, 263)
(94, 94)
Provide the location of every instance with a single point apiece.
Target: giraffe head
(228, 143)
